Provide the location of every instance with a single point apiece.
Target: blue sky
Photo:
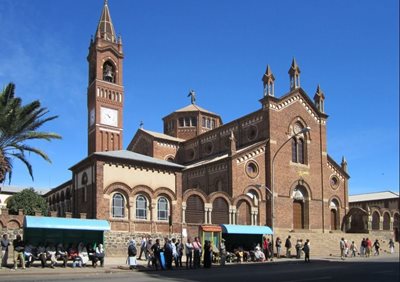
(220, 49)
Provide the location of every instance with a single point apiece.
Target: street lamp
(271, 190)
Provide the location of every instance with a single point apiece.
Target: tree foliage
(18, 125)
(28, 200)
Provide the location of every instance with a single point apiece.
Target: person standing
(298, 247)
(196, 252)
(156, 249)
(132, 252)
(288, 246)
(142, 249)
(4, 250)
(306, 250)
(342, 245)
(189, 254)
(149, 252)
(278, 245)
(391, 246)
(353, 249)
(19, 247)
(179, 250)
(222, 252)
(369, 247)
(207, 254)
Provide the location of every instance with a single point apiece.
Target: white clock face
(108, 116)
(92, 117)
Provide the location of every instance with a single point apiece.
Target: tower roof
(319, 94)
(268, 74)
(105, 29)
(294, 67)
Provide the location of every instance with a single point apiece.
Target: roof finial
(141, 124)
(105, 2)
(192, 96)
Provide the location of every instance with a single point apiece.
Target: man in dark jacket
(288, 246)
(19, 247)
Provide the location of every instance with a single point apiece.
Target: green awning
(246, 229)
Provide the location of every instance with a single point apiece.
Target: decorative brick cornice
(284, 103)
(251, 121)
(250, 154)
(217, 168)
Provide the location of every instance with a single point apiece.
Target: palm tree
(18, 125)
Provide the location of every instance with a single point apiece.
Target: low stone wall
(116, 243)
(327, 244)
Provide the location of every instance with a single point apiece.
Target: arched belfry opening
(109, 72)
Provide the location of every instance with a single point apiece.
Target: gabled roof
(128, 155)
(162, 135)
(375, 196)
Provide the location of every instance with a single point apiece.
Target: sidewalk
(118, 264)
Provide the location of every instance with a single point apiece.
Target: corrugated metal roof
(128, 155)
(163, 136)
(246, 229)
(373, 196)
(66, 223)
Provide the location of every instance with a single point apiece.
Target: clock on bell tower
(105, 94)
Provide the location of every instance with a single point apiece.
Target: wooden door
(333, 220)
(298, 215)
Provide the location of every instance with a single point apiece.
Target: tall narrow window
(294, 150)
(141, 207)
(162, 209)
(118, 206)
(300, 150)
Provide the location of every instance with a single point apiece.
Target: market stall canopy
(246, 229)
(66, 223)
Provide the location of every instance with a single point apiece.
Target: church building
(269, 168)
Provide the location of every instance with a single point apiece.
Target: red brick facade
(203, 171)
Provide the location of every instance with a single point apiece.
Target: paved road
(382, 269)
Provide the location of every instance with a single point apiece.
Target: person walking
(376, 245)
(353, 249)
(5, 243)
(288, 246)
(342, 245)
(391, 246)
(306, 250)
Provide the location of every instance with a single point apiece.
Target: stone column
(183, 212)
(381, 223)
(207, 213)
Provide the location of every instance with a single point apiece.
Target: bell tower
(105, 93)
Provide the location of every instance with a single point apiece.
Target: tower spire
(105, 28)
(268, 82)
(319, 99)
(294, 74)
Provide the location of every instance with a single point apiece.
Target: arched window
(375, 221)
(141, 207)
(298, 145)
(118, 206)
(162, 208)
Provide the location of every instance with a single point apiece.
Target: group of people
(366, 248)
(300, 247)
(164, 256)
(26, 253)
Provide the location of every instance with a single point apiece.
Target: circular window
(208, 148)
(252, 169)
(252, 132)
(334, 182)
